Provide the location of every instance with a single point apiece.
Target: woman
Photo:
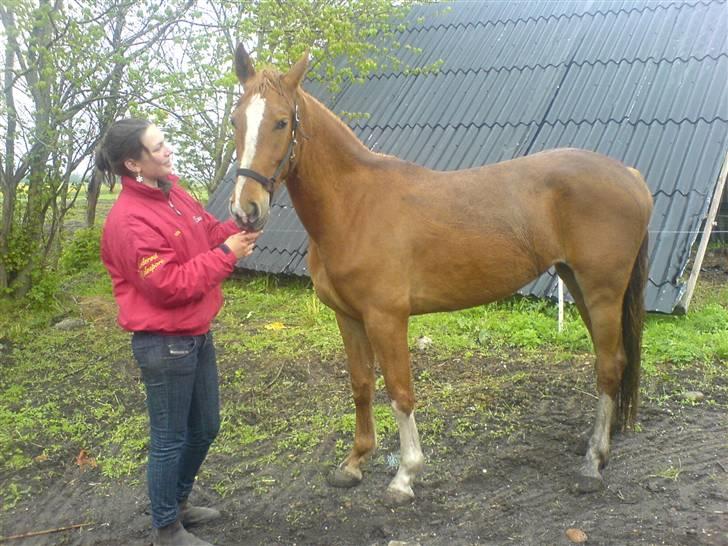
(167, 258)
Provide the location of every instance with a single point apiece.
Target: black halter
(269, 183)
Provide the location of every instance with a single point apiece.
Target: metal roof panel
(638, 80)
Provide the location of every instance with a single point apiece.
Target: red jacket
(161, 250)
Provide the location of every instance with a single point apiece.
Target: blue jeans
(183, 401)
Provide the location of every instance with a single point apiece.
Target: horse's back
(448, 240)
(507, 223)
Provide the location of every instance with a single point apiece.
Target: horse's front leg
(388, 336)
(360, 359)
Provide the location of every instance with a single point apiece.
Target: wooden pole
(561, 305)
(693, 280)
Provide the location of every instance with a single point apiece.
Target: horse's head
(266, 126)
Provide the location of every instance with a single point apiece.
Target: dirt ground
(665, 484)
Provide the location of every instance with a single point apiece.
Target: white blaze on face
(253, 118)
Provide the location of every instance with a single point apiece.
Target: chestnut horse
(390, 239)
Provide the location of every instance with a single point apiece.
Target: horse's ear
(297, 72)
(243, 65)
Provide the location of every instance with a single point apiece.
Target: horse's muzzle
(253, 221)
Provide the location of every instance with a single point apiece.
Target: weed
(13, 494)
(670, 473)
(314, 312)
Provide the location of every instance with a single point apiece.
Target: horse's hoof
(342, 478)
(581, 443)
(395, 497)
(587, 484)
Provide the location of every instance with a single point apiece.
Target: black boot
(195, 515)
(175, 535)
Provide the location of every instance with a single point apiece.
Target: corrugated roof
(645, 82)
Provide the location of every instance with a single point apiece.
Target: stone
(70, 324)
(577, 536)
(693, 396)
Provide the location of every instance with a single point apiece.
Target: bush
(44, 287)
(82, 251)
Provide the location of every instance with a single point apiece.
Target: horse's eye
(281, 123)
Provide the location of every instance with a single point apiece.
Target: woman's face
(156, 161)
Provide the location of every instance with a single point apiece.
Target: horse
(390, 239)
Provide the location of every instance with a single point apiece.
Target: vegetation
(71, 69)
(64, 391)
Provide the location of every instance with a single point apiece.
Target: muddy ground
(667, 483)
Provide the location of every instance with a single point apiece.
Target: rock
(70, 324)
(402, 543)
(577, 536)
(693, 396)
(423, 342)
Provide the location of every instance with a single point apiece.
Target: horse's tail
(633, 318)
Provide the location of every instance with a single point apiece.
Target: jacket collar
(161, 193)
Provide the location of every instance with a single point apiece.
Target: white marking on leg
(598, 450)
(411, 459)
(253, 118)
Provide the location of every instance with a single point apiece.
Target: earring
(139, 177)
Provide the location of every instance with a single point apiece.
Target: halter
(269, 183)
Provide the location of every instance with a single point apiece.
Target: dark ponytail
(122, 141)
(102, 162)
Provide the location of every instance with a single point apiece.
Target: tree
(64, 82)
(71, 68)
(197, 90)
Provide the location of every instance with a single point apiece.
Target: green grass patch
(64, 391)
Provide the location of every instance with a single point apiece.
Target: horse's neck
(332, 140)
(323, 189)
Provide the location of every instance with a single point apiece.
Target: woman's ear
(132, 166)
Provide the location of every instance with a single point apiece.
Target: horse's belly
(450, 290)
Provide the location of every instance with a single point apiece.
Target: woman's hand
(242, 244)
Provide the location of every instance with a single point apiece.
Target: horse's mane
(272, 79)
(344, 127)
(267, 79)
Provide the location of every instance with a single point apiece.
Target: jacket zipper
(175, 209)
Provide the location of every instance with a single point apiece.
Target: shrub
(81, 251)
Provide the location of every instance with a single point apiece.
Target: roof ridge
(278, 251)
(553, 123)
(678, 5)
(684, 194)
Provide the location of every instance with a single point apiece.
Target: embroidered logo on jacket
(197, 219)
(147, 265)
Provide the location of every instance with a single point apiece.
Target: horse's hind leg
(388, 335)
(606, 324)
(567, 275)
(360, 359)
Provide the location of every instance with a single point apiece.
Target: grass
(66, 391)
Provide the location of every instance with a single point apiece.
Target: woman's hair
(122, 141)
